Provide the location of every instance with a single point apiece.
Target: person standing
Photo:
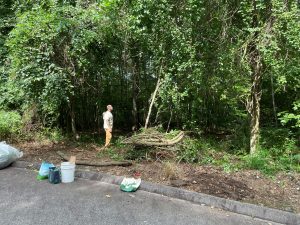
(108, 124)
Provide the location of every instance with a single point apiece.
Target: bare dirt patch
(281, 191)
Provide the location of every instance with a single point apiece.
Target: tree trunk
(72, 116)
(257, 72)
(134, 101)
(273, 100)
(168, 127)
(157, 115)
(256, 78)
(152, 102)
(255, 109)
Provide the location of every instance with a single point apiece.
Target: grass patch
(116, 151)
(111, 153)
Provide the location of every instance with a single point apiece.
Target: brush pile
(151, 137)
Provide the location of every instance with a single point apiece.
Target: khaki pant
(108, 137)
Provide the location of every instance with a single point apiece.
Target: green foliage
(58, 49)
(53, 45)
(118, 142)
(172, 134)
(190, 151)
(278, 141)
(49, 134)
(12, 97)
(261, 161)
(116, 151)
(264, 162)
(10, 124)
(293, 118)
(112, 153)
(72, 58)
(278, 152)
(200, 150)
(137, 153)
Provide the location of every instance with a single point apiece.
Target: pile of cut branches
(151, 137)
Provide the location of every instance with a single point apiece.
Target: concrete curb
(254, 211)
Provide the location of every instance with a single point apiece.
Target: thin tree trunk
(152, 102)
(168, 128)
(134, 101)
(157, 115)
(131, 66)
(273, 100)
(72, 116)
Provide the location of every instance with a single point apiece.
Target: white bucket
(67, 172)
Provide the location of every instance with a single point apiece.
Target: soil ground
(281, 191)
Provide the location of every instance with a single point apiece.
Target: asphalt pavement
(26, 201)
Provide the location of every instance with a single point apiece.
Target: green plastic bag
(130, 184)
(44, 171)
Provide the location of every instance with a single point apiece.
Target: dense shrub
(10, 124)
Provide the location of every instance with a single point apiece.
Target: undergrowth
(10, 125)
(278, 151)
